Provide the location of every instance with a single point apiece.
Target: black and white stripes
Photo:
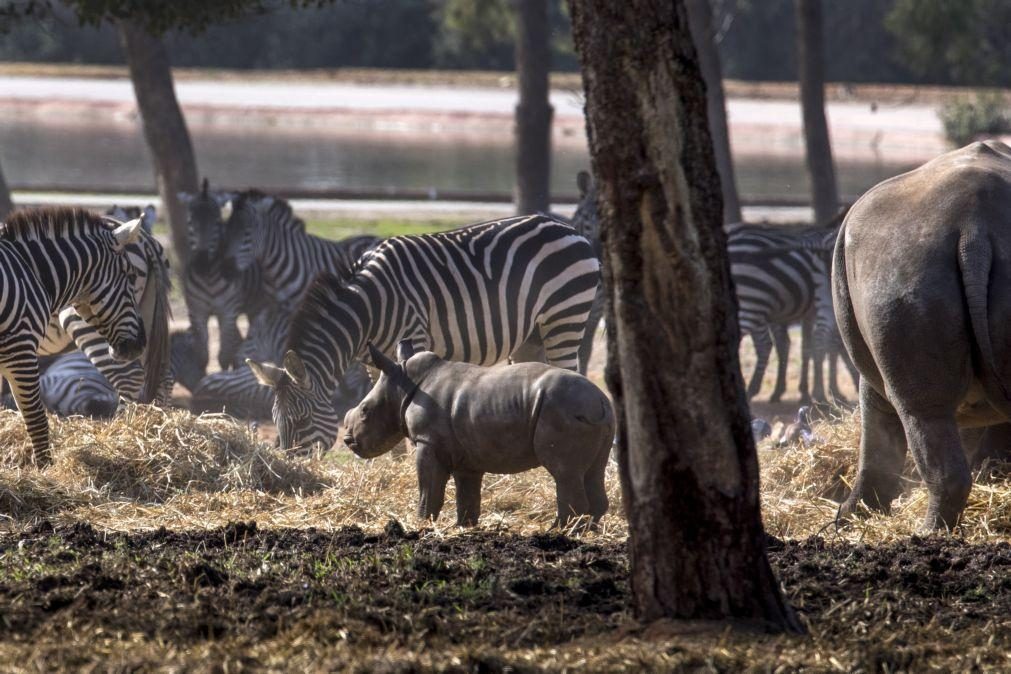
(474, 294)
(51, 259)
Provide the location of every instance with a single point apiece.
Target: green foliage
(986, 113)
(955, 41)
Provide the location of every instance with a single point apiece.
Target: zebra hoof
(42, 459)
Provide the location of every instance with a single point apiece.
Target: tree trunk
(164, 126)
(700, 14)
(6, 203)
(811, 73)
(686, 457)
(534, 112)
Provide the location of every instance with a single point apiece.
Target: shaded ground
(478, 601)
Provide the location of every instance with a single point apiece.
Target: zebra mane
(280, 209)
(305, 320)
(47, 223)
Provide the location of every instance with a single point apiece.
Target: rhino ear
(295, 368)
(265, 373)
(379, 359)
(584, 182)
(405, 349)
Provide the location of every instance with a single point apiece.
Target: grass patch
(340, 228)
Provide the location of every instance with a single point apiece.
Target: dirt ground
(398, 601)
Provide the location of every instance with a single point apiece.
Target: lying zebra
(92, 274)
(71, 386)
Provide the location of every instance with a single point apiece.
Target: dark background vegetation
(902, 41)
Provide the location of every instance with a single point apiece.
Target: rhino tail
(975, 257)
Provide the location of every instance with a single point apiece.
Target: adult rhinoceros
(921, 280)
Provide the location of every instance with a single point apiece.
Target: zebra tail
(157, 312)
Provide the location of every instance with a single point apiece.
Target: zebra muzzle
(130, 348)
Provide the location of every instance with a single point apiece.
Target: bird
(760, 429)
(800, 429)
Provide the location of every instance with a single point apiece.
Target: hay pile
(151, 467)
(803, 486)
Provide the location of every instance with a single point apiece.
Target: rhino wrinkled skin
(921, 283)
(466, 420)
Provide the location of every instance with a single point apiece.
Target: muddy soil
(481, 601)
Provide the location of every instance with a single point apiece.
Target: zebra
(264, 231)
(146, 380)
(71, 386)
(792, 287)
(49, 259)
(781, 276)
(473, 294)
(207, 290)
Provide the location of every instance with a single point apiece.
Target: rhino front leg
(468, 498)
(432, 479)
(572, 501)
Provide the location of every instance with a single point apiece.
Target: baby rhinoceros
(466, 420)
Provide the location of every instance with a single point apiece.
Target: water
(38, 153)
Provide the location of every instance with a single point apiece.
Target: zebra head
(305, 418)
(108, 299)
(586, 219)
(205, 223)
(245, 230)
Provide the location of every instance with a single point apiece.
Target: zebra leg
(22, 373)
(762, 340)
(229, 342)
(781, 338)
(592, 322)
(806, 339)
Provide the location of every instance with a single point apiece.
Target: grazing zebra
(474, 294)
(207, 290)
(148, 379)
(263, 230)
(53, 258)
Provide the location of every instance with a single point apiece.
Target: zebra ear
(265, 373)
(405, 349)
(127, 233)
(584, 182)
(295, 368)
(379, 359)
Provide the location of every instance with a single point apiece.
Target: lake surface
(38, 153)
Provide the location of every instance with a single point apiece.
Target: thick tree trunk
(811, 74)
(687, 460)
(700, 14)
(164, 126)
(6, 203)
(533, 113)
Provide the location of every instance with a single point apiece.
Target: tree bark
(6, 203)
(164, 126)
(686, 457)
(700, 14)
(811, 74)
(534, 112)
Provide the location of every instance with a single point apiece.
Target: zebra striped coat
(71, 386)
(50, 259)
(263, 230)
(474, 294)
(150, 378)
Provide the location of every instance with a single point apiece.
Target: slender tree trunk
(533, 113)
(164, 126)
(811, 73)
(686, 457)
(6, 203)
(700, 14)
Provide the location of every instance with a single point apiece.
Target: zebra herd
(518, 288)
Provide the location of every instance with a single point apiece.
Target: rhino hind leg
(882, 455)
(940, 460)
(468, 498)
(593, 483)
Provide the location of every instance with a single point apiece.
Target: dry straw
(151, 467)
